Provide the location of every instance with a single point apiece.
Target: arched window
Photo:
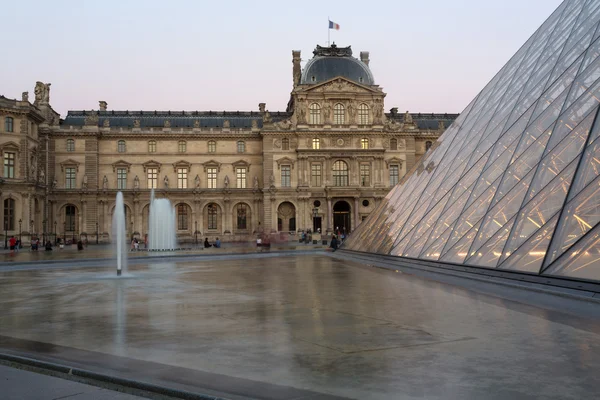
(181, 146)
(212, 216)
(8, 124)
(340, 173)
(152, 146)
(182, 217)
(363, 114)
(427, 145)
(314, 114)
(121, 146)
(316, 143)
(212, 146)
(70, 216)
(285, 144)
(364, 143)
(70, 145)
(9, 215)
(339, 114)
(241, 146)
(242, 213)
(393, 144)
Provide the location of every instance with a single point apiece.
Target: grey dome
(331, 62)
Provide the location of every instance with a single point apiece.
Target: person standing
(334, 243)
(12, 243)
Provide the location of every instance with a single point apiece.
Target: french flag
(333, 25)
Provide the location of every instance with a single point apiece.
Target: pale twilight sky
(428, 55)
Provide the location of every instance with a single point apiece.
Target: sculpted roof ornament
(333, 51)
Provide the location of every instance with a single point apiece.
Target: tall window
(365, 175)
(316, 143)
(427, 145)
(8, 124)
(339, 114)
(70, 176)
(286, 176)
(9, 165)
(182, 217)
(241, 216)
(9, 215)
(70, 145)
(211, 178)
(314, 114)
(182, 181)
(240, 176)
(121, 178)
(121, 146)
(315, 175)
(340, 173)
(152, 175)
(393, 144)
(70, 217)
(363, 114)
(212, 216)
(241, 146)
(181, 146)
(152, 146)
(394, 175)
(285, 144)
(212, 146)
(364, 143)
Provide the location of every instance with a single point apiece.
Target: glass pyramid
(514, 182)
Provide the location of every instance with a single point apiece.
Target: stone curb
(95, 376)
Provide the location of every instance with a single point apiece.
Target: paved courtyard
(298, 327)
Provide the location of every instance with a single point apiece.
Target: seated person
(48, 246)
(206, 244)
(218, 243)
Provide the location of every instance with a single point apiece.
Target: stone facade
(324, 163)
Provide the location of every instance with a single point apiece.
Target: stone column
(274, 215)
(137, 226)
(356, 215)
(329, 215)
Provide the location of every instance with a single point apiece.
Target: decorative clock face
(340, 142)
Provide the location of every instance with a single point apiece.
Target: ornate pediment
(151, 164)
(68, 164)
(121, 164)
(212, 164)
(9, 146)
(240, 164)
(394, 161)
(340, 84)
(285, 161)
(181, 164)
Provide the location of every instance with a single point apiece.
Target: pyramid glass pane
(514, 182)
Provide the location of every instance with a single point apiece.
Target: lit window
(9, 214)
(364, 143)
(286, 176)
(316, 143)
(121, 178)
(182, 178)
(241, 146)
(365, 175)
(70, 145)
(152, 146)
(427, 145)
(70, 176)
(182, 217)
(9, 165)
(394, 175)
(340, 173)
(181, 146)
(242, 213)
(314, 114)
(393, 144)
(211, 178)
(339, 114)
(70, 217)
(212, 146)
(285, 144)
(212, 216)
(152, 175)
(363, 114)
(315, 175)
(121, 146)
(9, 124)
(240, 176)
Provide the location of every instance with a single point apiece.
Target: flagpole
(328, 32)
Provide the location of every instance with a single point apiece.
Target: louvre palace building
(325, 162)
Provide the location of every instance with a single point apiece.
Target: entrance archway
(341, 217)
(286, 217)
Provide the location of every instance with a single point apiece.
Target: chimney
(364, 57)
(103, 105)
(296, 70)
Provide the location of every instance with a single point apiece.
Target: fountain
(118, 227)
(161, 224)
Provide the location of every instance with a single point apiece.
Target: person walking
(12, 243)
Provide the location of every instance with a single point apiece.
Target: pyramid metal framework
(514, 182)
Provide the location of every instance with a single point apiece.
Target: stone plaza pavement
(308, 325)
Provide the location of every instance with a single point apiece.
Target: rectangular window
(70, 176)
(9, 165)
(365, 175)
(286, 176)
(212, 216)
(315, 175)
(152, 178)
(121, 178)
(211, 178)
(394, 175)
(182, 181)
(316, 144)
(9, 215)
(240, 175)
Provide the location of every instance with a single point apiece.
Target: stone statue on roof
(196, 124)
(254, 124)
(441, 125)
(136, 123)
(42, 93)
(106, 123)
(408, 118)
(167, 124)
(226, 124)
(25, 96)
